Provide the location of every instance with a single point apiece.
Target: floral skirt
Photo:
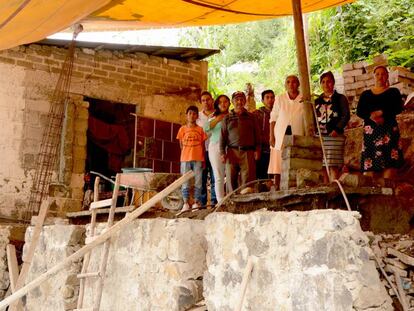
(381, 148)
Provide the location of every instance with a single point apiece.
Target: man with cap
(239, 143)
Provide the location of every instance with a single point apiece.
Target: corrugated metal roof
(179, 53)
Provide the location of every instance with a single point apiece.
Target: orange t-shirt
(192, 139)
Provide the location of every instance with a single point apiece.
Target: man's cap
(238, 94)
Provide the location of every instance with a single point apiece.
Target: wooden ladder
(100, 274)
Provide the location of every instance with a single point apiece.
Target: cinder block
(347, 67)
(361, 64)
(353, 73)
(295, 163)
(349, 80)
(301, 141)
(302, 153)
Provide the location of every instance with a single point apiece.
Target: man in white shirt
(207, 104)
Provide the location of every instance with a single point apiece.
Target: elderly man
(286, 118)
(239, 143)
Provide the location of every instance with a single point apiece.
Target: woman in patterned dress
(379, 106)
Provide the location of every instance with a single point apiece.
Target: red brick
(77, 74)
(126, 71)
(7, 60)
(131, 78)
(100, 72)
(24, 64)
(15, 54)
(160, 71)
(42, 67)
(116, 76)
(154, 77)
(181, 70)
(108, 67)
(52, 62)
(84, 69)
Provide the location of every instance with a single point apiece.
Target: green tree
(353, 32)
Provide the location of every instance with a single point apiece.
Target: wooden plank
(100, 204)
(13, 266)
(44, 208)
(105, 253)
(99, 240)
(403, 297)
(408, 260)
(87, 257)
(125, 209)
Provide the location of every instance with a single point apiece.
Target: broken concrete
(317, 260)
(153, 264)
(61, 291)
(4, 274)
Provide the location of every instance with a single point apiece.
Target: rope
(227, 197)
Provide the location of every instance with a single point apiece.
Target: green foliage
(361, 30)
(353, 32)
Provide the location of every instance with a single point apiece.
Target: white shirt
(287, 112)
(201, 121)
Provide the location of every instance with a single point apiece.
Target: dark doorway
(110, 137)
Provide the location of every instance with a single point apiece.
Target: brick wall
(160, 88)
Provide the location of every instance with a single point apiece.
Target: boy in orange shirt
(192, 139)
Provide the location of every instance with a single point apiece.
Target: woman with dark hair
(213, 127)
(332, 111)
(378, 107)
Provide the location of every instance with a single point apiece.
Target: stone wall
(301, 160)
(318, 260)
(161, 88)
(61, 291)
(4, 274)
(153, 264)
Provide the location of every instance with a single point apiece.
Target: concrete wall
(161, 88)
(317, 260)
(56, 243)
(4, 274)
(154, 264)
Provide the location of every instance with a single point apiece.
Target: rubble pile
(395, 253)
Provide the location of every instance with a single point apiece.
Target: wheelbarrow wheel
(173, 202)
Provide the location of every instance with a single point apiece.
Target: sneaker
(195, 206)
(185, 208)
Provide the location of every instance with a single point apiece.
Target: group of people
(241, 145)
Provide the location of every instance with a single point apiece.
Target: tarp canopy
(25, 21)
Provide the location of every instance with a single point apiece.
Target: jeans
(206, 171)
(197, 168)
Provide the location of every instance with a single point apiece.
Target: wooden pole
(44, 208)
(303, 66)
(13, 266)
(245, 281)
(97, 241)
